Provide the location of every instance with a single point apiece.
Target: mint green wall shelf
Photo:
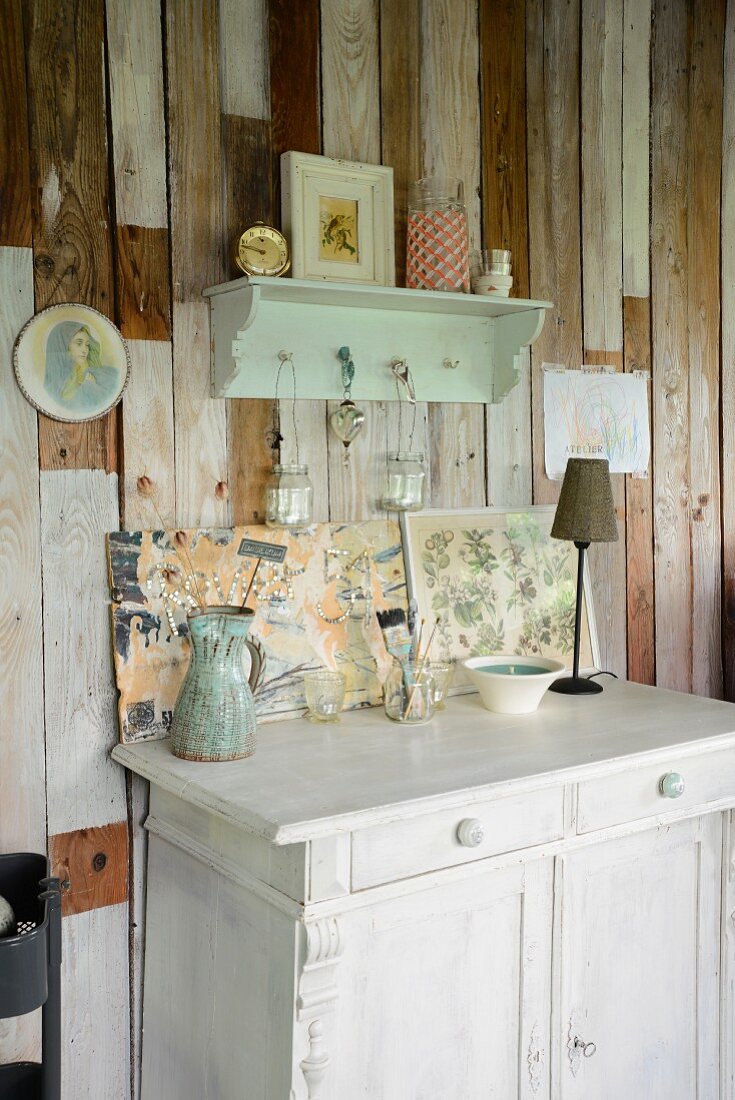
(253, 319)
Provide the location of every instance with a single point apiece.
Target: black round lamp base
(576, 685)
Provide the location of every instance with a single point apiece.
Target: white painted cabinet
(445, 993)
(638, 956)
(482, 907)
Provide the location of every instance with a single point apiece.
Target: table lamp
(585, 513)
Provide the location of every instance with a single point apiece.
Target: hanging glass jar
(406, 478)
(437, 241)
(289, 496)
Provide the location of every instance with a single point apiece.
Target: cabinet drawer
(385, 853)
(637, 793)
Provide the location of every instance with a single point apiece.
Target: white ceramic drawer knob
(470, 832)
(671, 785)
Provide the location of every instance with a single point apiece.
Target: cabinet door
(446, 992)
(636, 963)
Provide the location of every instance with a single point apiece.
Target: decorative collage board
(317, 609)
(494, 578)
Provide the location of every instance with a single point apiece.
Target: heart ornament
(347, 421)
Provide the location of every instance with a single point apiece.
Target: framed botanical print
(71, 363)
(498, 584)
(338, 216)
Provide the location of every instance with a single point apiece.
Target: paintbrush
(413, 611)
(396, 636)
(417, 654)
(421, 667)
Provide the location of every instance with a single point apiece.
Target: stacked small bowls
(493, 273)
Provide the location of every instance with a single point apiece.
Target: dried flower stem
(178, 540)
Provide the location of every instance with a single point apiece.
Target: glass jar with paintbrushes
(408, 692)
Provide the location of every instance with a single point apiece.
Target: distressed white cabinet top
(307, 780)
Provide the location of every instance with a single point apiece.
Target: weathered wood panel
(22, 756)
(142, 276)
(552, 58)
(669, 266)
(94, 862)
(137, 112)
(350, 80)
(138, 132)
(78, 507)
(148, 434)
(70, 195)
(602, 256)
(636, 137)
(637, 324)
(509, 453)
(400, 75)
(727, 225)
(15, 195)
(505, 225)
(706, 35)
(95, 1023)
(639, 515)
(143, 283)
(450, 126)
(293, 46)
(22, 775)
(503, 87)
(248, 166)
(351, 130)
(200, 424)
(197, 256)
(243, 28)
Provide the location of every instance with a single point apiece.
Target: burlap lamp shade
(586, 512)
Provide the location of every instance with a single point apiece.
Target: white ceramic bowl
(516, 692)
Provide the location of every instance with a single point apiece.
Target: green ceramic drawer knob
(672, 785)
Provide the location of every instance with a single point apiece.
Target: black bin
(30, 971)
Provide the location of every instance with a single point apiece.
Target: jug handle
(257, 664)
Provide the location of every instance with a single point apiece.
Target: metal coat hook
(403, 375)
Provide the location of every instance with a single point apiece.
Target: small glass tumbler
(441, 672)
(408, 692)
(325, 695)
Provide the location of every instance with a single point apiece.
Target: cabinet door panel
(446, 993)
(637, 960)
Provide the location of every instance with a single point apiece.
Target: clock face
(262, 250)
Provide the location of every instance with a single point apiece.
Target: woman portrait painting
(73, 366)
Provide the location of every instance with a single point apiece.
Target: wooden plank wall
(595, 140)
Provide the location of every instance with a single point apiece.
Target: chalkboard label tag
(268, 551)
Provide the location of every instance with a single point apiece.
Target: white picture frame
(338, 218)
(458, 641)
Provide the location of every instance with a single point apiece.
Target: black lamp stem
(581, 547)
(576, 684)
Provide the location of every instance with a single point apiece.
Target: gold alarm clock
(262, 250)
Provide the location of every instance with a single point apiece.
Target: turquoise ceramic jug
(214, 716)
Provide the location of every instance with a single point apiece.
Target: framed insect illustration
(71, 363)
(338, 216)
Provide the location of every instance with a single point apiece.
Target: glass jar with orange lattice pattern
(438, 254)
